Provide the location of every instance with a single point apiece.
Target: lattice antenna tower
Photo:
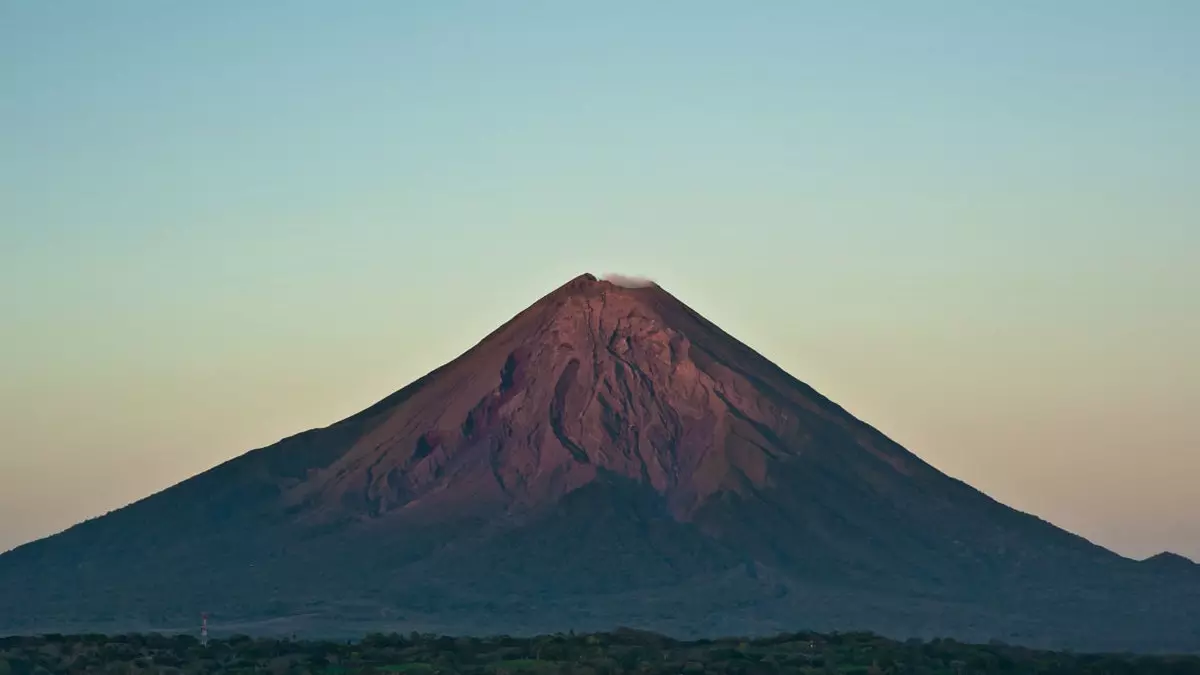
(204, 629)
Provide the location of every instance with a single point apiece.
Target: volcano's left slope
(265, 532)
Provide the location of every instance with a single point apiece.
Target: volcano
(607, 457)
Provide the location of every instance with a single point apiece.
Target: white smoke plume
(628, 281)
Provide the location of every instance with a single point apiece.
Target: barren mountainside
(607, 457)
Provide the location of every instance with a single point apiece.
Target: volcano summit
(607, 457)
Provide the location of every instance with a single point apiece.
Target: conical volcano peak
(597, 378)
(606, 441)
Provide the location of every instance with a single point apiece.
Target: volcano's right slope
(608, 457)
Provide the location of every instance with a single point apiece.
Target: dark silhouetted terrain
(621, 651)
(607, 457)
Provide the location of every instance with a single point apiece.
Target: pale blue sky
(973, 224)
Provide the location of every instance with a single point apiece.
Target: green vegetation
(623, 651)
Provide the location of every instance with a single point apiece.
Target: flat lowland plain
(622, 651)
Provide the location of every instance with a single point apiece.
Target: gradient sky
(975, 225)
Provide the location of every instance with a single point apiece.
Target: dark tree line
(622, 651)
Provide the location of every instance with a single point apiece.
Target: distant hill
(607, 457)
(1171, 562)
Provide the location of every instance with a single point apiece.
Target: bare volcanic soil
(607, 457)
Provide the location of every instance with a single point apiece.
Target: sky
(974, 225)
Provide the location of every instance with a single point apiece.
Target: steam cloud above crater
(628, 281)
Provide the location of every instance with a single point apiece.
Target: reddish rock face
(607, 457)
(593, 377)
